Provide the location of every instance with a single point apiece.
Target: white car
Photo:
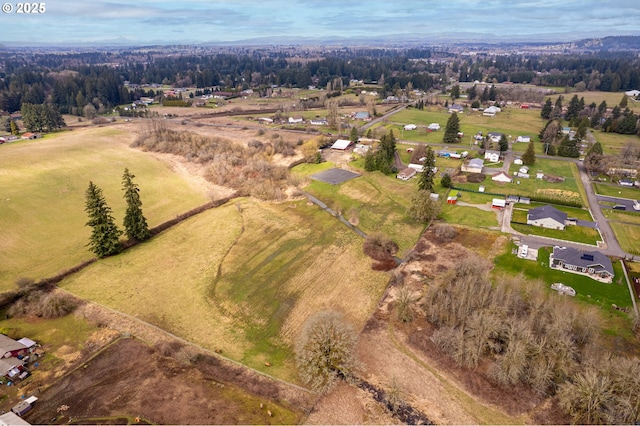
(636, 205)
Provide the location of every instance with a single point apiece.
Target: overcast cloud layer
(200, 21)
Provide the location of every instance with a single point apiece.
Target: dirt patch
(131, 379)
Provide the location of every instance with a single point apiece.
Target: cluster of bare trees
(247, 169)
(532, 338)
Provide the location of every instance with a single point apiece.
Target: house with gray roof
(547, 217)
(591, 263)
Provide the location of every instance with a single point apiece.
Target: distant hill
(610, 43)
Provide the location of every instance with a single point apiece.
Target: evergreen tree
(569, 147)
(546, 109)
(452, 129)
(426, 178)
(573, 109)
(455, 92)
(596, 148)
(529, 156)
(493, 93)
(485, 94)
(104, 240)
(472, 92)
(135, 224)
(446, 181)
(557, 108)
(503, 144)
(354, 135)
(602, 108)
(623, 102)
(14, 128)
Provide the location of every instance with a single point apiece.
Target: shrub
(445, 232)
(56, 305)
(379, 247)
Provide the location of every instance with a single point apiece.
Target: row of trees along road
(105, 234)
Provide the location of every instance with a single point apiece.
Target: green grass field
(468, 216)
(615, 190)
(570, 188)
(43, 183)
(628, 216)
(628, 236)
(379, 202)
(587, 290)
(612, 143)
(245, 287)
(578, 234)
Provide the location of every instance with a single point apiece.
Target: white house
(501, 177)
(494, 136)
(456, 108)
(498, 203)
(473, 166)
(633, 93)
(625, 182)
(517, 161)
(491, 111)
(433, 126)
(361, 149)
(492, 156)
(295, 120)
(524, 169)
(547, 217)
(410, 127)
(406, 174)
(525, 139)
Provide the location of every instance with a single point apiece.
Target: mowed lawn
(628, 236)
(614, 190)
(241, 278)
(42, 196)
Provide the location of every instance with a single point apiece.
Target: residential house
(362, 115)
(433, 127)
(406, 174)
(501, 177)
(341, 144)
(525, 139)
(11, 348)
(632, 93)
(410, 127)
(494, 137)
(456, 108)
(491, 111)
(492, 156)
(592, 263)
(625, 182)
(361, 149)
(547, 217)
(295, 120)
(473, 166)
(11, 367)
(29, 135)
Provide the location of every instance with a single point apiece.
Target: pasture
(628, 236)
(42, 198)
(613, 143)
(241, 278)
(469, 216)
(376, 202)
(615, 190)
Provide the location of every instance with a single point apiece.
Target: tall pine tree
(546, 109)
(529, 156)
(426, 178)
(135, 224)
(104, 240)
(452, 129)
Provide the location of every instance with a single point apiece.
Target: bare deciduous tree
(324, 350)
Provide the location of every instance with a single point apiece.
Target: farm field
(378, 202)
(244, 288)
(512, 121)
(43, 185)
(618, 216)
(468, 216)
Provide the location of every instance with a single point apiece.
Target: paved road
(621, 201)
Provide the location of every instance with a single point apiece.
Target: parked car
(619, 207)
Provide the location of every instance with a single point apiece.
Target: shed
(22, 408)
(498, 203)
(30, 344)
(452, 200)
(525, 139)
(410, 127)
(11, 348)
(417, 167)
(434, 126)
(341, 144)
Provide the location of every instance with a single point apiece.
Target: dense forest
(72, 80)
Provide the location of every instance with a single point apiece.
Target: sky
(203, 21)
